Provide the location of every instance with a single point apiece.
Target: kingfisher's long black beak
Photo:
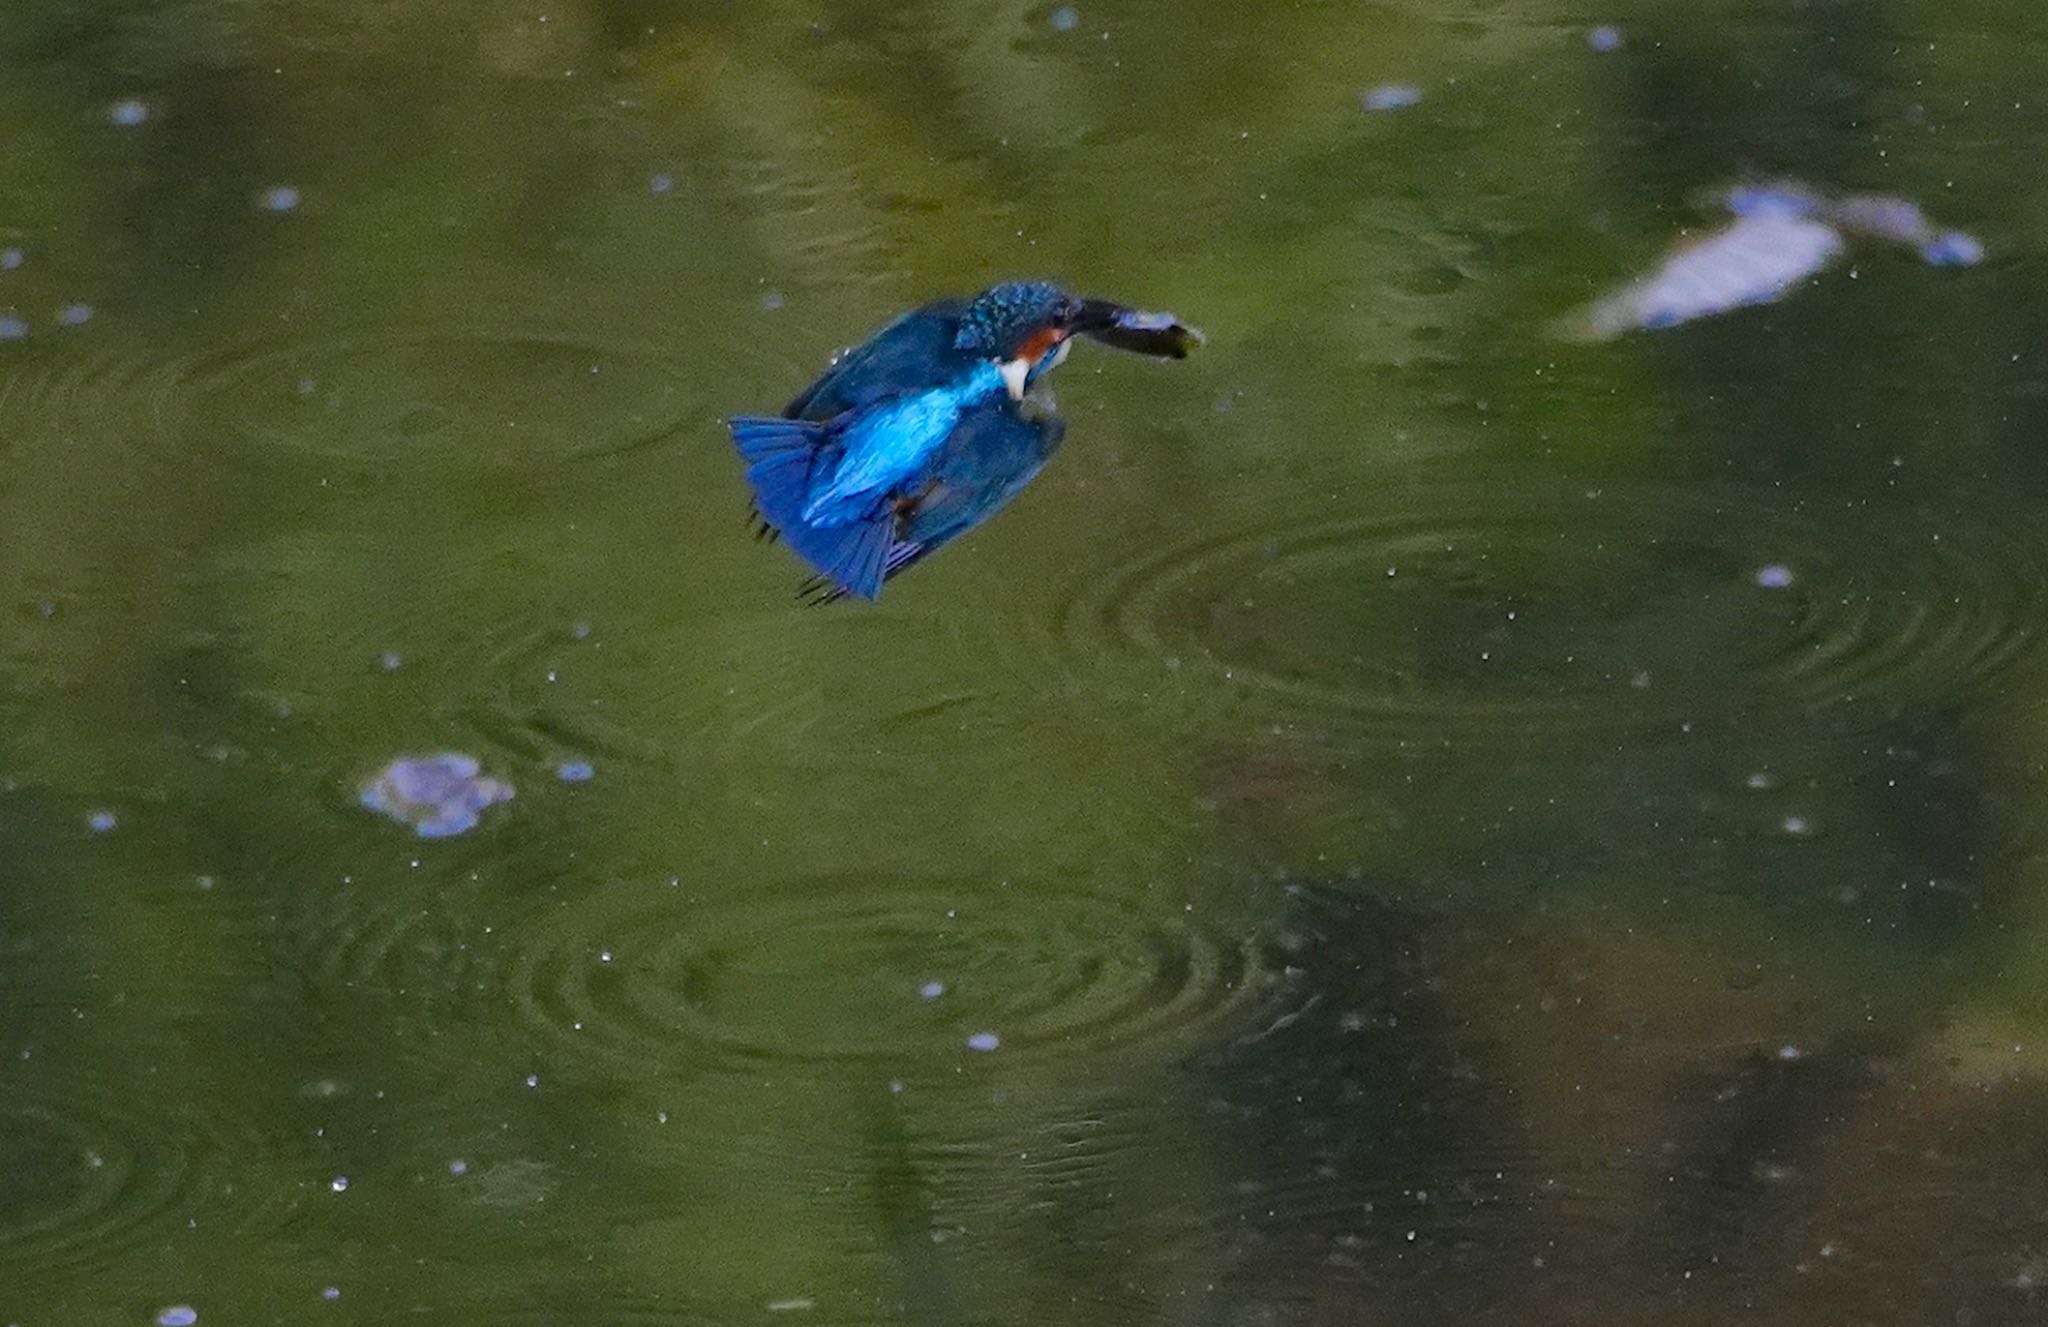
(1160, 335)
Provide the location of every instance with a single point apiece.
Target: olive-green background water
(1413, 870)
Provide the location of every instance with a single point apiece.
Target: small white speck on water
(391, 661)
(331, 1293)
(177, 1315)
(1606, 37)
(458, 1167)
(661, 182)
(339, 1184)
(128, 112)
(1797, 826)
(1790, 1052)
(533, 1080)
(102, 822)
(1760, 781)
(1064, 18)
(932, 990)
(790, 1305)
(279, 198)
(75, 315)
(1774, 577)
(984, 1041)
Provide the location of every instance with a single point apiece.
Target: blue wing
(913, 353)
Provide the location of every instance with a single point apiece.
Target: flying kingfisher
(922, 431)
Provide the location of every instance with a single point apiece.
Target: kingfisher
(923, 431)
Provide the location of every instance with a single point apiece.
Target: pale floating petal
(1754, 261)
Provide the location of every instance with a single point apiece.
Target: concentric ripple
(648, 979)
(479, 396)
(414, 392)
(1463, 611)
(85, 1180)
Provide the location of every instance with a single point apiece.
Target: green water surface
(1437, 823)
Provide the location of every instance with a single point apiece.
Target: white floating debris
(1774, 577)
(1390, 97)
(1753, 261)
(339, 1184)
(1064, 18)
(1783, 232)
(984, 1041)
(177, 1315)
(438, 795)
(1604, 38)
(128, 112)
(278, 198)
(932, 990)
(102, 822)
(790, 1305)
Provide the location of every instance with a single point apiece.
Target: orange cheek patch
(1038, 346)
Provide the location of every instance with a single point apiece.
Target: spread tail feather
(780, 455)
(853, 557)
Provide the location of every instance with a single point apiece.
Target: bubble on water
(12, 328)
(1760, 781)
(1790, 1052)
(75, 315)
(177, 1315)
(1606, 37)
(1391, 97)
(984, 1041)
(101, 822)
(1774, 577)
(932, 990)
(575, 771)
(772, 302)
(128, 112)
(661, 182)
(279, 198)
(1798, 827)
(581, 631)
(458, 1167)
(1064, 18)
(331, 1293)
(438, 795)
(391, 661)
(11, 258)
(533, 1080)
(339, 1184)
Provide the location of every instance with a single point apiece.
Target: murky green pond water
(1412, 818)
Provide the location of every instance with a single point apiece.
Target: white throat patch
(1015, 372)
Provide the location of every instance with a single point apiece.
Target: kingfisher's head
(1022, 326)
